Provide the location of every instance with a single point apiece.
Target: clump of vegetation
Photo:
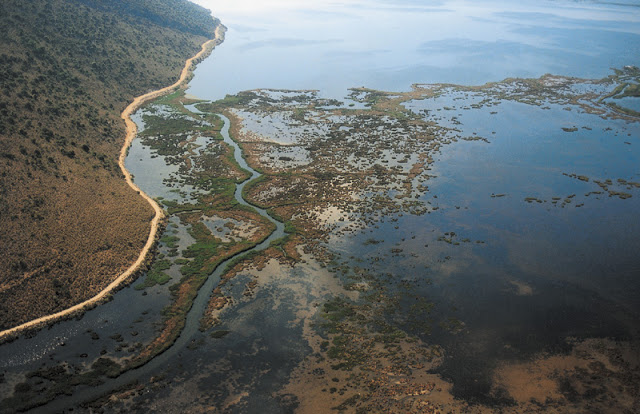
(219, 334)
(155, 275)
(569, 129)
(44, 385)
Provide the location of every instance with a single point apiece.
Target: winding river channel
(191, 334)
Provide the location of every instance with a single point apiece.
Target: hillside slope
(69, 224)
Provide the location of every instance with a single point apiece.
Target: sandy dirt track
(132, 130)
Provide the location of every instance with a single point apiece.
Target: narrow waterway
(191, 332)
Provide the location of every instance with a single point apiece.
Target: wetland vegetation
(340, 172)
(378, 330)
(370, 233)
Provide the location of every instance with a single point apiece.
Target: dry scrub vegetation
(69, 223)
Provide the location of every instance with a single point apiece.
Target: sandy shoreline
(132, 130)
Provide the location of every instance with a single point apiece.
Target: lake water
(389, 45)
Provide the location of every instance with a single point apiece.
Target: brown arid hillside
(69, 224)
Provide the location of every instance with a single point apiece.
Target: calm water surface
(389, 45)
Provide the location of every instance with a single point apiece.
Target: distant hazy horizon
(392, 44)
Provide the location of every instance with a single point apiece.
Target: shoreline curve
(131, 132)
